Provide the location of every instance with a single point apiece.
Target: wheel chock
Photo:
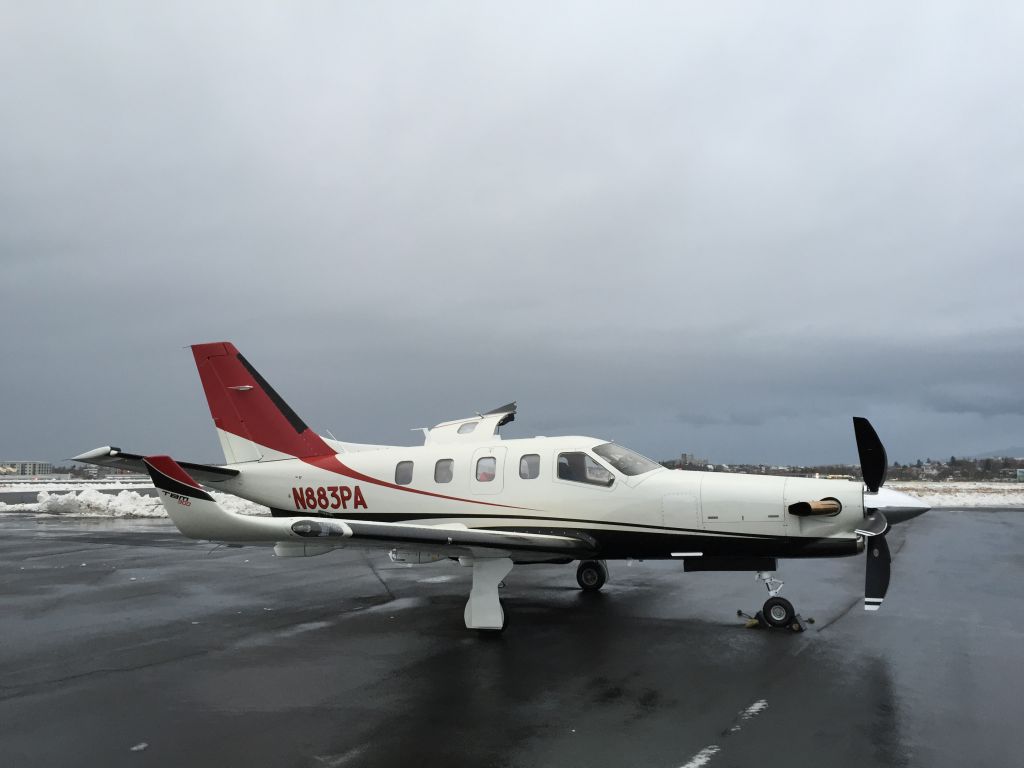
(757, 621)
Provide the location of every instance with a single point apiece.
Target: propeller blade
(876, 576)
(873, 461)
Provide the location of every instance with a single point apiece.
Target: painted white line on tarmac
(703, 757)
(754, 709)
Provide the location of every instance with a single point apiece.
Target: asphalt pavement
(123, 643)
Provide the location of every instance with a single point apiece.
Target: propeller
(873, 465)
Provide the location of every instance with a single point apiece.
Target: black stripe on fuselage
(404, 517)
(661, 544)
(655, 541)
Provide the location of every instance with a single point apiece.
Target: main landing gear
(592, 575)
(777, 611)
(483, 609)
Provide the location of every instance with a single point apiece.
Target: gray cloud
(678, 226)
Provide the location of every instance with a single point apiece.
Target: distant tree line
(962, 469)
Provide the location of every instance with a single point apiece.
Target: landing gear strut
(483, 609)
(591, 575)
(777, 611)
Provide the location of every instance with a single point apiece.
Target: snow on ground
(979, 494)
(90, 502)
(71, 485)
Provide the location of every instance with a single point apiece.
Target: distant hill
(1012, 453)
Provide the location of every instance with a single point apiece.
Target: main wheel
(591, 575)
(778, 611)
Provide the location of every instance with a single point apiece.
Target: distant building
(1020, 475)
(25, 468)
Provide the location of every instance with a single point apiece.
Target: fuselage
(561, 485)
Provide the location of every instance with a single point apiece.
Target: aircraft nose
(897, 507)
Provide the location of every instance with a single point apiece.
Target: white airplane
(466, 494)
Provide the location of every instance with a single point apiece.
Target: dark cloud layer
(683, 227)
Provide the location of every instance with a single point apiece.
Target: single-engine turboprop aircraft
(466, 494)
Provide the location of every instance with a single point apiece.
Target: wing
(198, 516)
(108, 456)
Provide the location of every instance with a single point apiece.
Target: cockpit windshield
(626, 461)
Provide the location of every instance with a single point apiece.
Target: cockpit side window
(578, 467)
(468, 427)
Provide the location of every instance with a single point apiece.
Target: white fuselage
(654, 514)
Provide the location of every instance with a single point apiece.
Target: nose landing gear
(777, 611)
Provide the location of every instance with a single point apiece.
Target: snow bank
(92, 503)
(73, 485)
(963, 494)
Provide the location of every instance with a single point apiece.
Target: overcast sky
(706, 227)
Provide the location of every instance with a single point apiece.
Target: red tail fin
(249, 415)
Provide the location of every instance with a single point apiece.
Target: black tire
(591, 575)
(778, 612)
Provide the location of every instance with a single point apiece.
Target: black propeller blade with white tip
(873, 466)
(876, 577)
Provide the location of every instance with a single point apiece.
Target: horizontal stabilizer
(108, 456)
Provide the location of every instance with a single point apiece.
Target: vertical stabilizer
(253, 422)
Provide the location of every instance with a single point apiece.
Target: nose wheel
(777, 611)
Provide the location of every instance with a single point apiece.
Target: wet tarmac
(122, 643)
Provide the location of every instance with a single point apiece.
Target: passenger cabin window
(443, 471)
(403, 473)
(581, 468)
(529, 466)
(485, 469)
(468, 427)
